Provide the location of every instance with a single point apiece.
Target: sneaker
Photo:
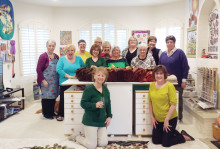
(73, 137)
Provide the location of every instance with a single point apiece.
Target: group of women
(96, 97)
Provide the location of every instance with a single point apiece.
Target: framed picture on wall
(65, 37)
(141, 36)
(191, 42)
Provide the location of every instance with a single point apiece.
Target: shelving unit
(7, 103)
(207, 77)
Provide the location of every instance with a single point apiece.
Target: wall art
(141, 36)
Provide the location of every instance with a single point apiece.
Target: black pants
(48, 107)
(61, 105)
(180, 105)
(169, 138)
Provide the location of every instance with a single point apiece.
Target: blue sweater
(176, 64)
(66, 67)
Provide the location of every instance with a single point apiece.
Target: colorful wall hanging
(65, 37)
(193, 12)
(62, 52)
(213, 34)
(141, 35)
(6, 20)
(191, 42)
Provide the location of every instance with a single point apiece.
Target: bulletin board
(141, 36)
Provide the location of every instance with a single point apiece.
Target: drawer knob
(144, 129)
(143, 106)
(72, 111)
(144, 95)
(144, 101)
(72, 106)
(72, 100)
(144, 111)
(144, 119)
(72, 118)
(72, 95)
(72, 129)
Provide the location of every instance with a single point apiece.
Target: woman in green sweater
(162, 106)
(95, 60)
(97, 105)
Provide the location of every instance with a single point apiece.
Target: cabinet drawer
(142, 100)
(73, 100)
(74, 111)
(142, 111)
(73, 129)
(71, 106)
(73, 95)
(142, 106)
(73, 118)
(142, 95)
(143, 119)
(143, 130)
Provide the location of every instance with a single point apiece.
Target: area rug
(127, 145)
(216, 143)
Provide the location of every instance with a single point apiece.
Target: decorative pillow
(6, 20)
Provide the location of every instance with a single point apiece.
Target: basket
(216, 131)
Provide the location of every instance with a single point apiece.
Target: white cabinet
(142, 115)
(73, 112)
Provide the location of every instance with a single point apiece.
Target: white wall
(71, 19)
(22, 13)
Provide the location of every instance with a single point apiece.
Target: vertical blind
(33, 43)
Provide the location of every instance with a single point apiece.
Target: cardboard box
(216, 131)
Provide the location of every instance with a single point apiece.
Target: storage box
(216, 131)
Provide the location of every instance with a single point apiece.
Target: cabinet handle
(72, 129)
(72, 95)
(72, 111)
(144, 129)
(144, 95)
(72, 100)
(144, 101)
(72, 118)
(72, 106)
(144, 119)
(143, 106)
(144, 111)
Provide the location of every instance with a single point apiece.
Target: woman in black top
(152, 40)
(131, 51)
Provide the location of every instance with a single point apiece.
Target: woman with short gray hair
(48, 79)
(143, 60)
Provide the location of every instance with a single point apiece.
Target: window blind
(122, 39)
(33, 43)
(85, 34)
(96, 31)
(109, 33)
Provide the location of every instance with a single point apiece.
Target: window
(162, 32)
(33, 44)
(108, 32)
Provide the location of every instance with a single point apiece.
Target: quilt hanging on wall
(6, 20)
(65, 37)
(191, 42)
(62, 52)
(141, 36)
(193, 12)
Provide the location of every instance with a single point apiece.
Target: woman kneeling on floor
(97, 105)
(162, 106)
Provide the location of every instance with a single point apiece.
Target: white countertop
(77, 82)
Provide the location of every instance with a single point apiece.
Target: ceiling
(93, 3)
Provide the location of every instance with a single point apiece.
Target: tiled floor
(28, 125)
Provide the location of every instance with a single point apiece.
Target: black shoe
(49, 117)
(184, 133)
